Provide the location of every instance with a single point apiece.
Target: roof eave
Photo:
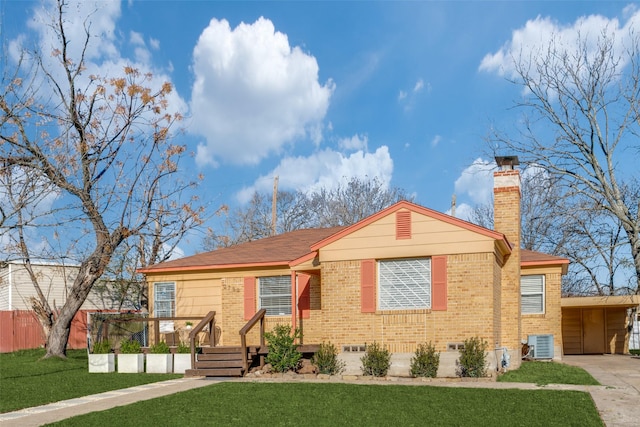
(563, 263)
(213, 267)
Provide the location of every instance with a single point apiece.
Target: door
(593, 330)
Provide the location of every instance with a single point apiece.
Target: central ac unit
(542, 346)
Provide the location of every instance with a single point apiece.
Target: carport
(598, 325)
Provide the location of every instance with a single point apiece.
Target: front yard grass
(543, 373)
(27, 381)
(329, 404)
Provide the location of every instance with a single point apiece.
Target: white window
(275, 295)
(532, 294)
(164, 304)
(404, 284)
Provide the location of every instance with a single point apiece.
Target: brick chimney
(506, 220)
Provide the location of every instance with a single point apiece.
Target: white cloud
(476, 181)
(102, 57)
(99, 17)
(356, 142)
(141, 52)
(253, 93)
(324, 169)
(464, 211)
(436, 140)
(154, 43)
(535, 37)
(136, 38)
(408, 97)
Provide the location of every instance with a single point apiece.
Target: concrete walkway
(617, 399)
(39, 415)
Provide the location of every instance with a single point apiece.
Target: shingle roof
(533, 257)
(287, 247)
(275, 250)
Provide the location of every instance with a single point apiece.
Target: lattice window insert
(404, 284)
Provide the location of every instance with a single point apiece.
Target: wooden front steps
(227, 361)
(222, 362)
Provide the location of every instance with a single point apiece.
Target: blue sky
(318, 92)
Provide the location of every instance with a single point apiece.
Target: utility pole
(453, 205)
(274, 203)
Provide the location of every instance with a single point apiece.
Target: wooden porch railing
(259, 316)
(209, 319)
(156, 324)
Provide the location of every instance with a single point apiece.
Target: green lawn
(27, 381)
(543, 373)
(331, 404)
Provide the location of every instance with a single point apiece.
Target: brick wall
(470, 312)
(551, 321)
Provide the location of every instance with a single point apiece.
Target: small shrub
(283, 352)
(425, 362)
(160, 348)
(129, 347)
(376, 360)
(183, 348)
(635, 352)
(326, 360)
(102, 347)
(473, 359)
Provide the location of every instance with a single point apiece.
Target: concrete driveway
(619, 402)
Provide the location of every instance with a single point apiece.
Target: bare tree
(104, 145)
(576, 229)
(343, 205)
(582, 123)
(540, 208)
(351, 202)
(253, 222)
(594, 243)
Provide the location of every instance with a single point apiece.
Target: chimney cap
(507, 162)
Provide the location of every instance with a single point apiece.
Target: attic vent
(403, 225)
(542, 346)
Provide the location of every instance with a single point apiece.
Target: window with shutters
(532, 294)
(275, 295)
(404, 284)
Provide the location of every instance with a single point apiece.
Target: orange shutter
(304, 298)
(249, 297)
(439, 283)
(368, 285)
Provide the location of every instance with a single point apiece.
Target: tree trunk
(87, 275)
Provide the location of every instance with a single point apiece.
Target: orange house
(401, 277)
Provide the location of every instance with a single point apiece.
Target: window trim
(259, 281)
(166, 326)
(173, 308)
(542, 293)
(429, 286)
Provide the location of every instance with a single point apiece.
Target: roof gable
(499, 237)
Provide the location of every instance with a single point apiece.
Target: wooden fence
(20, 330)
